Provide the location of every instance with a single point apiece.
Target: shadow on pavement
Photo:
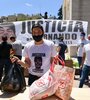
(7, 94)
(87, 83)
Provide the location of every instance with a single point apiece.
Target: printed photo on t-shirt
(38, 61)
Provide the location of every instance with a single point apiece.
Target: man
(38, 54)
(86, 62)
(62, 48)
(17, 46)
(8, 29)
(5, 49)
(81, 43)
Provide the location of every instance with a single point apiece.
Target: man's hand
(14, 59)
(81, 66)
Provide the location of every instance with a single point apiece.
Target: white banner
(69, 29)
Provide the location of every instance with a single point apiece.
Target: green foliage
(75, 63)
(67, 57)
(60, 15)
(19, 17)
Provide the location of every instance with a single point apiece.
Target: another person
(62, 48)
(17, 46)
(5, 49)
(86, 66)
(38, 54)
(80, 46)
(8, 29)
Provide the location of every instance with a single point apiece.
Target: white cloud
(28, 4)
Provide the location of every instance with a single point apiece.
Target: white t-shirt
(87, 51)
(81, 43)
(40, 56)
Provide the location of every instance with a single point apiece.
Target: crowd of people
(38, 54)
(83, 55)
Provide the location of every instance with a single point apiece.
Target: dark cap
(37, 25)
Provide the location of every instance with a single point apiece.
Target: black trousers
(32, 78)
(1, 72)
(18, 56)
(6, 65)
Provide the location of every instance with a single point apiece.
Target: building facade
(76, 10)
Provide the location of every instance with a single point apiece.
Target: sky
(10, 7)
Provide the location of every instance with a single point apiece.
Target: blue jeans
(84, 75)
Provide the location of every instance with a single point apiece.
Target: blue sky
(10, 7)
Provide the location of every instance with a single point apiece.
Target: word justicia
(54, 26)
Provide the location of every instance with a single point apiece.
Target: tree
(60, 15)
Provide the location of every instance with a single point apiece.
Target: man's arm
(58, 48)
(83, 59)
(51, 60)
(26, 63)
(66, 51)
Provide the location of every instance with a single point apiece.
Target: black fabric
(1, 73)
(63, 47)
(32, 78)
(5, 65)
(14, 80)
(20, 57)
(5, 50)
(5, 61)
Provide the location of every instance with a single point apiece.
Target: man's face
(37, 31)
(82, 37)
(6, 30)
(38, 62)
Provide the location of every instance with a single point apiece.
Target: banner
(69, 29)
